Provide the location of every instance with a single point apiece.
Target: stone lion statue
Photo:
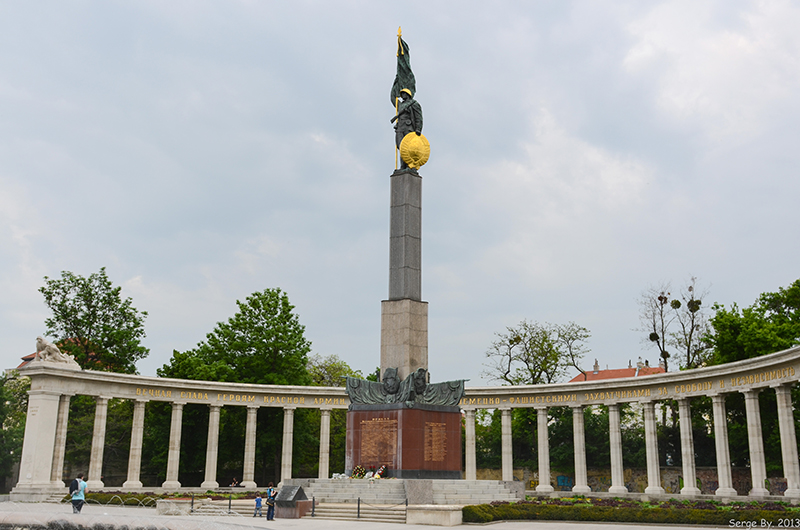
(49, 352)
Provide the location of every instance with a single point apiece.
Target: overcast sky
(580, 153)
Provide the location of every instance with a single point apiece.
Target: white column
(651, 447)
(174, 452)
(248, 474)
(579, 442)
(57, 470)
(135, 453)
(470, 471)
(791, 469)
(687, 449)
(212, 448)
(544, 451)
(615, 447)
(98, 444)
(286, 447)
(755, 441)
(723, 448)
(324, 442)
(506, 448)
(35, 468)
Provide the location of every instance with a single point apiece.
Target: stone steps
(470, 492)
(387, 491)
(392, 491)
(370, 513)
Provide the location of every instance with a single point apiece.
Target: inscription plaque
(379, 440)
(435, 441)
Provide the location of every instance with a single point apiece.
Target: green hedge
(485, 513)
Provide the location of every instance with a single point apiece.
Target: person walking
(258, 505)
(78, 491)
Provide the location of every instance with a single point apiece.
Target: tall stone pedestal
(404, 336)
(404, 316)
(422, 442)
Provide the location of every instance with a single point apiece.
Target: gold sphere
(415, 150)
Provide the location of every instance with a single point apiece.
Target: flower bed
(622, 510)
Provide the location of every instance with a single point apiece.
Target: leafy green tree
(532, 353)
(263, 343)
(528, 354)
(94, 323)
(91, 321)
(770, 324)
(331, 371)
(13, 409)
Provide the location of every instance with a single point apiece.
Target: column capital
(578, 406)
(213, 406)
(540, 407)
(253, 407)
(782, 388)
(751, 392)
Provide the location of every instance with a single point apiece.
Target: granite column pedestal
(404, 316)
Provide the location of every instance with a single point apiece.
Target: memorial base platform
(423, 442)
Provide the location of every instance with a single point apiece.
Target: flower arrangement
(358, 472)
(379, 473)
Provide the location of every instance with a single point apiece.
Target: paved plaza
(19, 514)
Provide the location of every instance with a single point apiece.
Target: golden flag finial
(400, 50)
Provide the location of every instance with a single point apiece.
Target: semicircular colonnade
(42, 460)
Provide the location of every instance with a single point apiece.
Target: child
(258, 505)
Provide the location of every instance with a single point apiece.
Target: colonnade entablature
(782, 368)
(52, 386)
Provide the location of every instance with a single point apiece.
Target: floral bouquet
(379, 473)
(359, 472)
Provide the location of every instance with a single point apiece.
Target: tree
(13, 410)
(263, 343)
(675, 322)
(771, 324)
(92, 322)
(528, 354)
(329, 371)
(656, 316)
(571, 339)
(692, 326)
(534, 353)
